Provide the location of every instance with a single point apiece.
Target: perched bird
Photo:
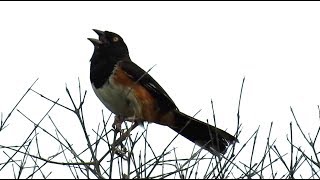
(131, 93)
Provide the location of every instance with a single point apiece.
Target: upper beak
(100, 33)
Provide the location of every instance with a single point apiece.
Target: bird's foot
(118, 120)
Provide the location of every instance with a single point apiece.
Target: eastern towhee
(129, 92)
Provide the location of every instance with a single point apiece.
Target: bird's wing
(140, 76)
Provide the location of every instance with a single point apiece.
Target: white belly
(118, 99)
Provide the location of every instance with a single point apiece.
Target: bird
(131, 93)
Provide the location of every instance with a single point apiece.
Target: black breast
(100, 70)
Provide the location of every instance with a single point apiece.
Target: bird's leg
(118, 120)
(123, 135)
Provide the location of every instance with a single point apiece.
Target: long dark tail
(210, 138)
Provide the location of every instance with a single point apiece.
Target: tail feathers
(210, 138)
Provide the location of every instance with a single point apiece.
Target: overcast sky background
(202, 51)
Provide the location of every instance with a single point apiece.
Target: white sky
(202, 50)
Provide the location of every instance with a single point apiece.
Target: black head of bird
(109, 44)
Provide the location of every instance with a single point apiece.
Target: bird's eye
(115, 39)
